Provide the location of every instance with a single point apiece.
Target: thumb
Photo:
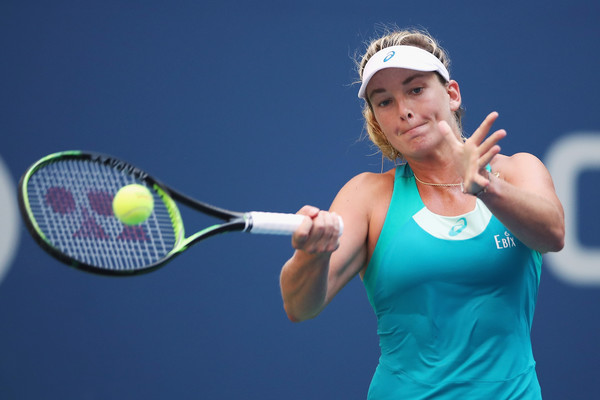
(445, 128)
(309, 211)
(448, 133)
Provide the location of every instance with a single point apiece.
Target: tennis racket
(66, 198)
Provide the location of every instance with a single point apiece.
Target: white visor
(408, 57)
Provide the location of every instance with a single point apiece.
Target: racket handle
(276, 223)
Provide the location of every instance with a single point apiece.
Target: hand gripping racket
(66, 201)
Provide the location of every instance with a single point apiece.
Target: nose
(404, 111)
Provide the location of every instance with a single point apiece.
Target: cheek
(382, 118)
(442, 108)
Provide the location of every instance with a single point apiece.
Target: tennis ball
(133, 204)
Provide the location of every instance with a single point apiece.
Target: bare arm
(522, 196)
(524, 199)
(321, 265)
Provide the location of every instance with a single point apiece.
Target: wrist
(484, 189)
(492, 178)
(310, 257)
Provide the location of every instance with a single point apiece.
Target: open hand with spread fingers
(474, 154)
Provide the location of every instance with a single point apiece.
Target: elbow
(297, 317)
(293, 318)
(554, 247)
(559, 238)
(559, 234)
(559, 242)
(556, 241)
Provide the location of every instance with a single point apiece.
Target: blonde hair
(409, 37)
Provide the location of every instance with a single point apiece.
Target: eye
(384, 103)
(417, 90)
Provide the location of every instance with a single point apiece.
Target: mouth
(414, 129)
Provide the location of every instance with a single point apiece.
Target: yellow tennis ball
(133, 204)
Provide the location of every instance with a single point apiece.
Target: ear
(454, 93)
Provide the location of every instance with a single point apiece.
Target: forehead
(394, 77)
(397, 76)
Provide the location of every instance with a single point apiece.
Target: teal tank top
(454, 299)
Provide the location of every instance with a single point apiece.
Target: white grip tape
(277, 223)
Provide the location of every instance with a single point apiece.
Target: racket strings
(71, 203)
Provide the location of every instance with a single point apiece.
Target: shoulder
(367, 195)
(518, 166)
(524, 170)
(364, 195)
(516, 160)
(368, 184)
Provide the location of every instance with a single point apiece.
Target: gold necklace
(438, 184)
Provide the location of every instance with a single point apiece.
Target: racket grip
(276, 223)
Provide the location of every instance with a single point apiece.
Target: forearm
(535, 220)
(304, 280)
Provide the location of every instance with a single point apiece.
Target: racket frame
(234, 221)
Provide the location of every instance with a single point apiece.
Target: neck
(435, 172)
(435, 184)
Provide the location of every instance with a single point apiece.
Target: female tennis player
(448, 243)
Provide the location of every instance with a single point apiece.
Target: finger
(306, 226)
(487, 157)
(302, 234)
(333, 229)
(489, 148)
(479, 183)
(339, 224)
(322, 236)
(309, 211)
(492, 141)
(448, 134)
(483, 130)
(476, 183)
(319, 226)
(481, 180)
(324, 226)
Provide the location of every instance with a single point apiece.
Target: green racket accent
(174, 213)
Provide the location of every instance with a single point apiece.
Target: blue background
(250, 105)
